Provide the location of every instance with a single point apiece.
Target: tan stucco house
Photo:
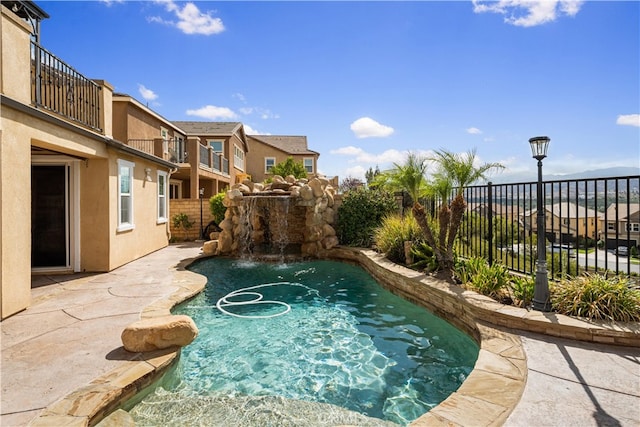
(620, 225)
(73, 197)
(565, 222)
(269, 150)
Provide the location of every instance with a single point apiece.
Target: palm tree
(459, 170)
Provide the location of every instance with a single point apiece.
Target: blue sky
(367, 82)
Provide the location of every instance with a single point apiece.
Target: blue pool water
(319, 331)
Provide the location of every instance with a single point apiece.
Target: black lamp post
(201, 224)
(539, 145)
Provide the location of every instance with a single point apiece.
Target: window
(238, 158)
(634, 226)
(162, 197)
(215, 144)
(175, 189)
(269, 163)
(125, 195)
(611, 226)
(164, 134)
(308, 164)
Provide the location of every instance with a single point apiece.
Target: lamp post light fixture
(201, 224)
(539, 146)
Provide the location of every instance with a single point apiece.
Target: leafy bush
(289, 167)
(596, 297)
(423, 257)
(522, 290)
(490, 280)
(216, 207)
(390, 236)
(361, 211)
(181, 221)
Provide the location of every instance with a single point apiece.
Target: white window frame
(164, 134)
(310, 168)
(177, 184)
(632, 226)
(238, 158)
(267, 166)
(162, 197)
(129, 224)
(611, 226)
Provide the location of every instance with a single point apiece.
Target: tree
(350, 183)
(457, 171)
(453, 173)
(371, 174)
(289, 167)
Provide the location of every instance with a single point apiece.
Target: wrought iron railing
(59, 88)
(587, 220)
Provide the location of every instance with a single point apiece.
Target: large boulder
(158, 333)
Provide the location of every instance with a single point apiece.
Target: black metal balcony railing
(59, 88)
(586, 221)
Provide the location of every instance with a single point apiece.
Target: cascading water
(280, 234)
(245, 231)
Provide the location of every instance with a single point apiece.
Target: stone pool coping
(487, 397)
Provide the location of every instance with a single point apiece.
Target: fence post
(490, 221)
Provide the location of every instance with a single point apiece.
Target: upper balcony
(59, 88)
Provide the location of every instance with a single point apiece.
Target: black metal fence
(591, 225)
(59, 88)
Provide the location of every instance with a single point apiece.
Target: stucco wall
(148, 235)
(15, 57)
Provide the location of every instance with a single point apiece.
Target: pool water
(318, 331)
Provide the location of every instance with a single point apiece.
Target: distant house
(216, 153)
(565, 222)
(269, 150)
(74, 197)
(620, 225)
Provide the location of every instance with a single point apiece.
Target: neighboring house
(565, 222)
(74, 198)
(140, 127)
(269, 150)
(627, 231)
(216, 155)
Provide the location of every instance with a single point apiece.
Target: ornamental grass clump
(390, 236)
(596, 297)
(490, 280)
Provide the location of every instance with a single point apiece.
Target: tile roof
(286, 143)
(209, 128)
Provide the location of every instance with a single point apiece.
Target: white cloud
(528, 13)
(111, 2)
(246, 110)
(239, 96)
(190, 19)
(251, 131)
(349, 151)
(147, 94)
(212, 112)
(474, 131)
(629, 120)
(366, 127)
(356, 172)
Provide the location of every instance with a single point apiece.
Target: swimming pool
(307, 338)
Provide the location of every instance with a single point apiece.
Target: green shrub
(390, 236)
(423, 257)
(360, 213)
(489, 280)
(216, 207)
(289, 167)
(181, 221)
(522, 289)
(596, 297)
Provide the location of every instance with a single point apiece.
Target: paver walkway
(71, 335)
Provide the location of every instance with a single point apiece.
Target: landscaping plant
(181, 221)
(597, 297)
(522, 289)
(390, 236)
(216, 207)
(361, 211)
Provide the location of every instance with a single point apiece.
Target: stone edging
(487, 396)
(88, 405)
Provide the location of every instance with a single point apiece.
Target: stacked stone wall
(310, 220)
